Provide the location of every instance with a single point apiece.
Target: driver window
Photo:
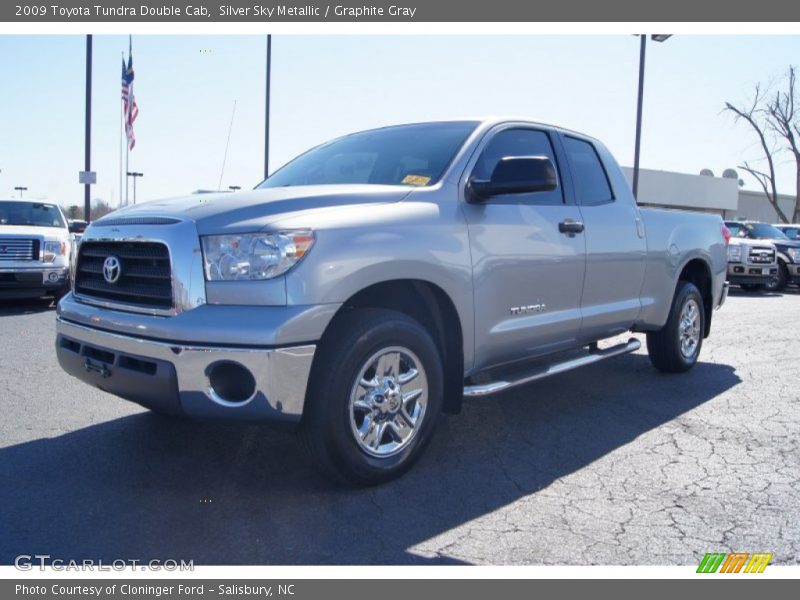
(518, 142)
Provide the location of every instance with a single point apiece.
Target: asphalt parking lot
(613, 464)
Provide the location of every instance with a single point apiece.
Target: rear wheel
(676, 346)
(374, 398)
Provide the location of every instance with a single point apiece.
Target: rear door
(614, 236)
(527, 275)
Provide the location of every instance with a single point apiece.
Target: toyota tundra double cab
(379, 279)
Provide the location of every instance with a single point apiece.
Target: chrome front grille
(144, 277)
(17, 249)
(761, 256)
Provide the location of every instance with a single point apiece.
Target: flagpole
(127, 170)
(127, 141)
(121, 128)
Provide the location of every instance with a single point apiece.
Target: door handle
(570, 227)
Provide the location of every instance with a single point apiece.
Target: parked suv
(752, 264)
(788, 250)
(35, 248)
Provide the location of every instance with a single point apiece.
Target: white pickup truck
(35, 247)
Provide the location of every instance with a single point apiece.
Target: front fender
(415, 240)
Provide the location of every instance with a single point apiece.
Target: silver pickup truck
(378, 279)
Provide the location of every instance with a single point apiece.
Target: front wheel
(374, 397)
(778, 283)
(675, 347)
(752, 287)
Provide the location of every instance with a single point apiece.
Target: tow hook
(94, 368)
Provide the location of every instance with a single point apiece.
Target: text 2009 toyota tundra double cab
(378, 279)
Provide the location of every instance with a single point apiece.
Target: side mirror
(516, 175)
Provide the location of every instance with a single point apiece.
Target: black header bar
(409, 11)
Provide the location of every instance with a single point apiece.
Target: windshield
(30, 213)
(793, 233)
(413, 155)
(762, 231)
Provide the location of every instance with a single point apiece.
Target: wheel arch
(698, 272)
(428, 304)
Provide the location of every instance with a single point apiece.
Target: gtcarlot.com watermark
(42, 562)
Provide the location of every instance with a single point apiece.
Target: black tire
(327, 431)
(752, 287)
(664, 346)
(59, 294)
(778, 283)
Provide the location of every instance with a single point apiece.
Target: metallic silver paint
(620, 273)
(263, 326)
(281, 374)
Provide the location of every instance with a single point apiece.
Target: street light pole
(268, 77)
(639, 103)
(87, 209)
(135, 175)
(20, 189)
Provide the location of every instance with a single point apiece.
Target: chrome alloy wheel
(388, 401)
(689, 328)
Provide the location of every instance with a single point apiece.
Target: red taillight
(726, 233)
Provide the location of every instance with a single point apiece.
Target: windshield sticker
(415, 180)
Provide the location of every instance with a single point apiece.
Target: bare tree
(784, 120)
(775, 119)
(74, 212)
(755, 115)
(100, 208)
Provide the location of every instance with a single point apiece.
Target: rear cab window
(592, 187)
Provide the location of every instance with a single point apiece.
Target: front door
(527, 275)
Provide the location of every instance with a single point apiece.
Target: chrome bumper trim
(281, 374)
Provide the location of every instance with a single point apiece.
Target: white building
(755, 207)
(718, 195)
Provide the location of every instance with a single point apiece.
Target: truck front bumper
(32, 283)
(741, 274)
(249, 383)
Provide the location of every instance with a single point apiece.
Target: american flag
(129, 108)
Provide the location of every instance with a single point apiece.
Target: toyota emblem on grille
(111, 269)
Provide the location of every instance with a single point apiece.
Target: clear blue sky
(324, 86)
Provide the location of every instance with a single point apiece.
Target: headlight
(734, 253)
(794, 254)
(53, 249)
(254, 256)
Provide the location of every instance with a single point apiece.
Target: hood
(735, 241)
(29, 231)
(254, 210)
(784, 244)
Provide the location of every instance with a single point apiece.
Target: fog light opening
(230, 383)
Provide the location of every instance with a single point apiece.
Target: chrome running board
(632, 345)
